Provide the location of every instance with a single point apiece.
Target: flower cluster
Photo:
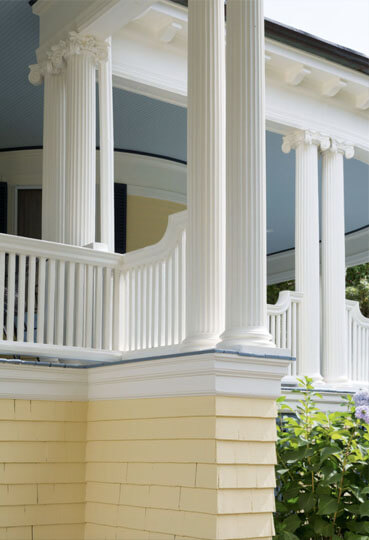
(361, 399)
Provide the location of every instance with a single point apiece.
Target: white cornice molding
(41, 382)
(185, 375)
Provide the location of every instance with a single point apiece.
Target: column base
(199, 342)
(241, 339)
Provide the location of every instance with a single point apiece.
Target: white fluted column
(53, 155)
(246, 315)
(307, 269)
(205, 173)
(106, 150)
(82, 55)
(335, 367)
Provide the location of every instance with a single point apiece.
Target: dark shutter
(3, 207)
(120, 217)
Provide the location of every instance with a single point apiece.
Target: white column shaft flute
(335, 367)
(81, 149)
(246, 309)
(106, 151)
(53, 158)
(206, 173)
(307, 268)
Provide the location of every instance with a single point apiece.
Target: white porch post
(307, 269)
(206, 173)
(106, 150)
(53, 155)
(335, 367)
(246, 309)
(82, 55)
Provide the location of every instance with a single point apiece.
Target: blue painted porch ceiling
(148, 125)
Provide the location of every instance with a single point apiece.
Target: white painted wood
(79, 305)
(82, 54)
(106, 150)
(41, 297)
(108, 310)
(21, 296)
(59, 337)
(98, 307)
(51, 276)
(10, 297)
(2, 292)
(357, 336)
(246, 307)
(334, 359)
(53, 167)
(69, 333)
(307, 264)
(283, 325)
(31, 299)
(205, 258)
(89, 305)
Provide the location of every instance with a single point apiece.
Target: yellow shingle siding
(187, 467)
(42, 471)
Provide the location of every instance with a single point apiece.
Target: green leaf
(328, 451)
(292, 523)
(306, 501)
(364, 509)
(327, 505)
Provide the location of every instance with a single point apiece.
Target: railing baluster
(80, 287)
(278, 330)
(108, 314)
(50, 302)
(41, 299)
(89, 308)
(98, 308)
(69, 334)
(21, 297)
(2, 293)
(31, 299)
(11, 298)
(59, 338)
(118, 323)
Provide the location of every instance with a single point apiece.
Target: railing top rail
(41, 248)
(285, 298)
(156, 252)
(354, 307)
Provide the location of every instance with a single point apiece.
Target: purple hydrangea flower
(362, 412)
(361, 398)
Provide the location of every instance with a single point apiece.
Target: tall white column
(205, 173)
(106, 150)
(53, 155)
(335, 367)
(82, 55)
(307, 269)
(246, 315)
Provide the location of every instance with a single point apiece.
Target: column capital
(308, 137)
(79, 44)
(53, 65)
(57, 55)
(341, 147)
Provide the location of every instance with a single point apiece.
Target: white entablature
(149, 49)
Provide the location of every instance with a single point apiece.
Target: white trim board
(186, 375)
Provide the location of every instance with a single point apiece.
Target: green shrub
(323, 470)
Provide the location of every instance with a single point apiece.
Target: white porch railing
(357, 342)
(154, 291)
(57, 295)
(283, 323)
(70, 302)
